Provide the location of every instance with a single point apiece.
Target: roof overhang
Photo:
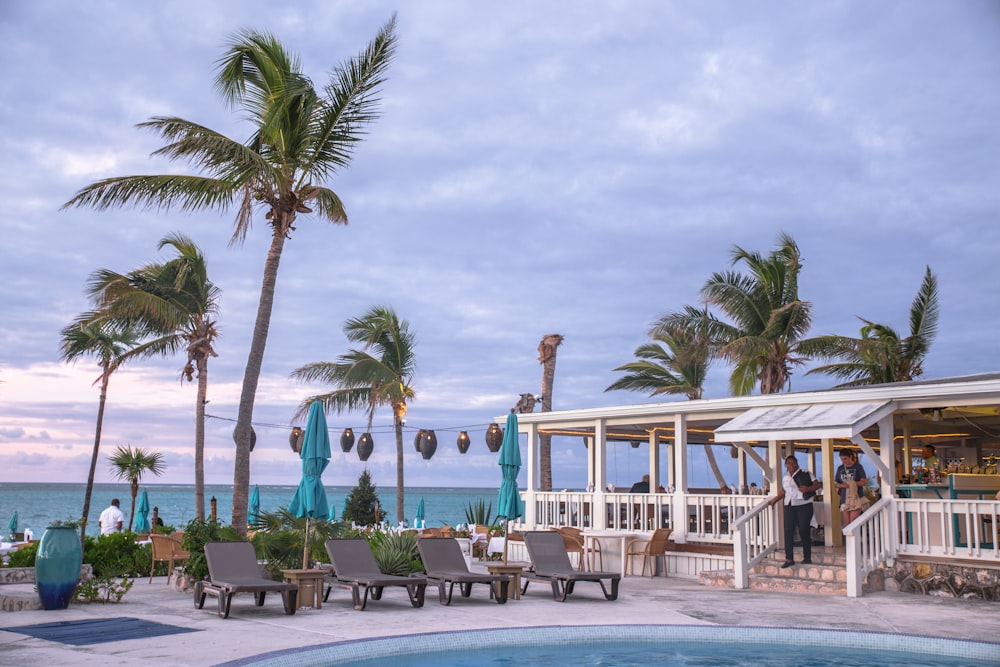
(809, 421)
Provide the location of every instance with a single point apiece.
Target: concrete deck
(252, 630)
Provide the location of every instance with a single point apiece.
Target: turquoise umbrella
(333, 513)
(418, 520)
(509, 503)
(12, 525)
(254, 509)
(309, 500)
(141, 524)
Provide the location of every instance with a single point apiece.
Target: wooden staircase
(827, 575)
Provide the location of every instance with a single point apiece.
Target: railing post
(741, 571)
(853, 558)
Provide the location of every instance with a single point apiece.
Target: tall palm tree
(676, 362)
(377, 375)
(767, 317)
(173, 302)
(129, 465)
(110, 344)
(547, 358)
(301, 139)
(880, 354)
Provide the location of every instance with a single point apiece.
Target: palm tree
(767, 317)
(301, 139)
(129, 465)
(547, 358)
(675, 363)
(880, 354)
(378, 375)
(173, 302)
(110, 344)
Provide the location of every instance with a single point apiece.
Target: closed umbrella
(333, 513)
(309, 500)
(418, 520)
(253, 510)
(141, 524)
(12, 525)
(509, 503)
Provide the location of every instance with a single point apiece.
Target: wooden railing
(711, 516)
(638, 511)
(949, 528)
(870, 542)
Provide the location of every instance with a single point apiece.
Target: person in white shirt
(112, 519)
(797, 490)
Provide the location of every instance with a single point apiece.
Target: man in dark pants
(797, 490)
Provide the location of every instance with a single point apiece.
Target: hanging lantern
(365, 446)
(253, 438)
(635, 444)
(295, 439)
(494, 438)
(417, 439)
(428, 444)
(734, 452)
(463, 442)
(347, 439)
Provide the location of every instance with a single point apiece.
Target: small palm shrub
(279, 536)
(396, 553)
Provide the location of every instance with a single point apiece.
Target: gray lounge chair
(233, 568)
(355, 568)
(550, 562)
(446, 566)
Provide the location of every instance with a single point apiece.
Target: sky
(578, 168)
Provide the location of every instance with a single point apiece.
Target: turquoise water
(37, 505)
(641, 646)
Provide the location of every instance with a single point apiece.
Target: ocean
(39, 504)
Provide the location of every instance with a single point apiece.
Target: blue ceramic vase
(57, 566)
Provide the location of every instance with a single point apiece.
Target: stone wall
(972, 582)
(26, 575)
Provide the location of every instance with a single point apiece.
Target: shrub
(479, 512)
(362, 503)
(396, 553)
(25, 556)
(103, 589)
(279, 539)
(117, 555)
(196, 534)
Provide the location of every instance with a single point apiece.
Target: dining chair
(650, 549)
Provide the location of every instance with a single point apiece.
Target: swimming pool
(645, 645)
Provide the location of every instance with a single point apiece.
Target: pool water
(641, 645)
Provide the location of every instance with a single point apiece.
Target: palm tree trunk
(134, 488)
(547, 357)
(105, 376)
(715, 466)
(241, 474)
(199, 439)
(400, 514)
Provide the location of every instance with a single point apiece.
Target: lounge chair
(550, 562)
(355, 568)
(233, 568)
(445, 565)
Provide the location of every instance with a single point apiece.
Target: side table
(310, 583)
(512, 571)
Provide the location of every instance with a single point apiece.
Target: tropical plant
(110, 344)
(378, 375)
(117, 555)
(362, 502)
(396, 553)
(129, 465)
(278, 539)
(172, 303)
(547, 358)
(880, 354)
(768, 319)
(676, 362)
(301, 139)
(480, 512)
(198, 533)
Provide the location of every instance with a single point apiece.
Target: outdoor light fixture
(295, 439)
(417, 438)
(253, 438)
(428, 444)
(494, 438)
(463, 442)
(365, 446)
(933, 414)
(635, 444)
(347, 439)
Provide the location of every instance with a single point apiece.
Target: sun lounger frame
(355, 569)
(233, 568)
(550, 563)
(445, 565)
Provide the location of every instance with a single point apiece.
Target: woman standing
(849, 479)
(797, 490)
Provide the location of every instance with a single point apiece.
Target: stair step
(814, 571)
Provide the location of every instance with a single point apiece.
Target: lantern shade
(463, 442)
(366, 445)
(494, 437)
(253, 438)
(347, 439)
(428, 444)
(417, 438)
(295, 439)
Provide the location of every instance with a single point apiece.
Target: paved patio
(251, 630)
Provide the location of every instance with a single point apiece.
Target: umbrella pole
(305, 549)
(506, 537)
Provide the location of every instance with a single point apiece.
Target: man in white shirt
(112, 519)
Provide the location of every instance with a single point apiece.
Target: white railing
(638, 511)
(949, 528)
(564, 508)
(710, 515)
(755, 535)
(870, 542)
